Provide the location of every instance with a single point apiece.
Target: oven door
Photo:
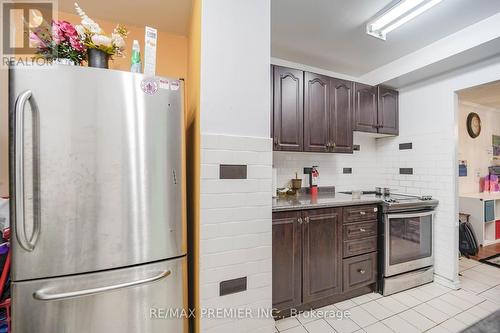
(408, 241)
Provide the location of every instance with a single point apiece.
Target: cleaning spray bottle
(136, 57)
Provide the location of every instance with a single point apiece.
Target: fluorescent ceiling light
(398, 14)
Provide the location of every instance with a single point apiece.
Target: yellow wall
(171, 58)
(171, 61)
(193, 156)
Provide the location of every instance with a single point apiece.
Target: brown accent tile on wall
(232, 171)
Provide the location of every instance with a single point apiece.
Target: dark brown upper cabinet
(287, 259)
(388, 111)
(322, 251)
(341, 116)
(365, 108)
(288, 109)
(316, 113)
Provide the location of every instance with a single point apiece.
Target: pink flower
(37, 41)
(77, 44)
(67, 29)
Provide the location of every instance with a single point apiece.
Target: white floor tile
(481, 277)
(489, 306)
(491, 271)
(456, 301)
(406, 299)
(319, 326)
(345, 325)
(374, 295)
(473, 285)
(467, 263)
(298, 329)
(392, 304)
(361, 317)
(286, 323)
(420, 294)
(431, 312)
(361, 299)
(344, 305)
(445, 307)
(467, 296)
(492, 294)
(434, 289)
(398, 325)
(378, 328)
(479, 311)
(308, 316)
(416, 319)
(467, 318)
(377, 310)
(438, 329)
(453, 325)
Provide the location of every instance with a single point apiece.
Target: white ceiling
(486, 94)
(165, 15)
(330, 34)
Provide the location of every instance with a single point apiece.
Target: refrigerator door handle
(43, 295)
(20, 225)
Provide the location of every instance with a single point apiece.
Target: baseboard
(446, 282)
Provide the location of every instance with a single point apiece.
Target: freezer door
(147, 298)
(96, 163)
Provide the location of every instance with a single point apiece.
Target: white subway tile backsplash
(235, 229)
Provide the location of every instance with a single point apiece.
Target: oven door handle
(409, 215)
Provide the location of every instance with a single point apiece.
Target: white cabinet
(484, 211)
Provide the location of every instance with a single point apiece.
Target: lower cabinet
(319, 258)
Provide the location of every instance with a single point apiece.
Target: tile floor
(429, 308)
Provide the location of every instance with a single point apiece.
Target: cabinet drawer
(360, 246)
(360, 271)
(359, 230)
(360, 213)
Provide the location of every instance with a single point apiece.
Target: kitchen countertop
(322, 200)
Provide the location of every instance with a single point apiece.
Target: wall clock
(473, 125)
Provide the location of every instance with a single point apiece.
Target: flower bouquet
(99, 45)
(59, 43)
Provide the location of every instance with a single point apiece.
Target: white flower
(80, 29)
(87, 22)
(118, 40)
(100, 40)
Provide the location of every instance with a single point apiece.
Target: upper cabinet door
(288, 129)
(365, 108)
(388, 111)
(316, 129)
(341, 115)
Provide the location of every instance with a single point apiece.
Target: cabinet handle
(334, 145)
(361, 271)
(275, 141)
(362, 213)
(300, 220)
(362, 229)
(307, 219)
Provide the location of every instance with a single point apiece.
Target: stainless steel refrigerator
(99, 238)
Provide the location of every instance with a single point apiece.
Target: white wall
(235, 217)
(429, 119)
(478, 151)
(235, 65)
(330, 166)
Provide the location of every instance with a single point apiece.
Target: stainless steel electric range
(406, 255)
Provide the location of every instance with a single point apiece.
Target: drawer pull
(300, 220)
(362, 213)
(361, 271)
(362, 229)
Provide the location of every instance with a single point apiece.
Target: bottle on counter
(136, 66)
